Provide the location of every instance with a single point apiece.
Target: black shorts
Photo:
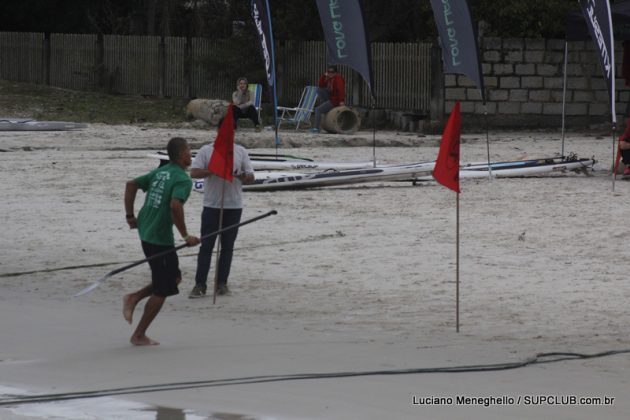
(164, 270)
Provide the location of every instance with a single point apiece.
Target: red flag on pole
(222, 159)
(624, 136)
(446, 170)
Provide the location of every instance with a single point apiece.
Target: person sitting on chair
(331, 93)
(624, 150)
(243, 103)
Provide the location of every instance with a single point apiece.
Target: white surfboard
(266, 162)
(25, 124)
(272, 181)
(521, 168)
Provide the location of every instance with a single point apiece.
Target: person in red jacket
(624, 151)
(331, 94)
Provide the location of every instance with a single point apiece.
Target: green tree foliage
(399, 21)
(295, 20)
(387, 20)
(238, 56)
(45, 15)
(523, 19)
(412, 20)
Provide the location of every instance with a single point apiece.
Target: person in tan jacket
(244, 104)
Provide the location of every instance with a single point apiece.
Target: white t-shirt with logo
(214, 187)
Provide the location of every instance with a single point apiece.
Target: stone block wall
(524, 85)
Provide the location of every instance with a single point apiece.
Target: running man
(167, 188)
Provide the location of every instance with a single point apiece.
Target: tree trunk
(150, 11)
(166, 18)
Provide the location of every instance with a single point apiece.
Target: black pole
(161, 254)
(374, 131)
(485, 112)
(614, 167)
(564, 94)
(277, 140)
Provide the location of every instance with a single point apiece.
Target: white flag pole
(457, 267)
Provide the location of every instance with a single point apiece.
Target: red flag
(446, 170)
(222, 159)
(624, 136)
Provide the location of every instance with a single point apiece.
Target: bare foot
(142, 341)
(128, 306)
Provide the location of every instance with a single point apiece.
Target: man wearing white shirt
(219, 193)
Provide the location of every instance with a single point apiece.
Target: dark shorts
(164, 270)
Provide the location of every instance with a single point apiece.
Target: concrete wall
(524, 85)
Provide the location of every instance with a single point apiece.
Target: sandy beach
(345, 279)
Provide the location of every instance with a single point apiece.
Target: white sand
(343, 279)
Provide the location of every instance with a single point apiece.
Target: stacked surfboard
(28, 124)
(270, 162)
(277, 172)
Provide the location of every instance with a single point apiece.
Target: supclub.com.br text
(526, 400)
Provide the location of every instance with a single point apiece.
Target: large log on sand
(341, 120)
(208, 110)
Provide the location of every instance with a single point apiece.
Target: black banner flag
(262, 19)
(599, 23)
(346, 37)
(459, 40)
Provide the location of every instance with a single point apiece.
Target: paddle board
(420, 171)
(272, 181)
(266, 162)
(335, 178)
(521, 168)
(25, 124)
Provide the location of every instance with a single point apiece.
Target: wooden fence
(22, 57)
(174, 67)
(73, 61)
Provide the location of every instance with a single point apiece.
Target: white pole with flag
(222, 165)
(446, 172)
(457, 267)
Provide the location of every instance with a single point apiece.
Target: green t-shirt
(155, 224)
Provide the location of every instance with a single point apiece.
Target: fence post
(162, 67)
(281, 51)
(437, 84)
(100, 63)
(188, 67)
(357, 82)
(47, 58)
